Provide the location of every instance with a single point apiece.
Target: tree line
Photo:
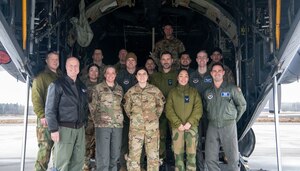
(14, 108)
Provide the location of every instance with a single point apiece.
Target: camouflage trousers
(185, 142)
(45, 145)
(148, 135)
(90, 144)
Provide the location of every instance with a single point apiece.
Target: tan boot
(86, 168)
(123, 168)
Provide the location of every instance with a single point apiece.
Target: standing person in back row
(165, 80)
(185, 61)
(39, 93)
(168, 43)
(121, 64)
(225, 105)
(97, 59)
(217, 56)
(126, 79)
(66, 114)
(201, 80)
(90, 145)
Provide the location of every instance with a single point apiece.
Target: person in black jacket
(66, 114)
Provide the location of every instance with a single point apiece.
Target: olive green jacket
(225, 105)
(39, 90)
(164, 81)
(184, 105)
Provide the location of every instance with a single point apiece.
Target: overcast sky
(14, 91)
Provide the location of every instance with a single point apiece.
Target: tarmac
(263, 157)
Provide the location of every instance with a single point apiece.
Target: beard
(184, 66)
(166, 66)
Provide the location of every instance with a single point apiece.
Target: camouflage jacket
(39, 90)
(105, 107)
(174, 46)
(119, 66)
(90, 85)
(143, 104)
(85, 73)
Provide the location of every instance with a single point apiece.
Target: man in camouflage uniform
(39, 93)
(126, 79)
(170, 44)
(90, 144)
(217, 56)
(122, 60)
(165, 80)
(97, 59)
(144, 104)
(108, 118)
(201, 80)
(222, 120)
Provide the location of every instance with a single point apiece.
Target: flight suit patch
(225, 94)
(170, 82)
(207, 80)
(195, 80)
(186, 99)
(210, 96)
(126, 81)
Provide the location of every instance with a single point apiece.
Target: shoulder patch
(195, 80)
(210, 96)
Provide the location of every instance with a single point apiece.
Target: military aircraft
(259, 38)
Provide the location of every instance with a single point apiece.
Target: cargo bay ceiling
(129, 24)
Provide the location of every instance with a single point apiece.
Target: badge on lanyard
(225, 94)
(186, 99)
(170, 82)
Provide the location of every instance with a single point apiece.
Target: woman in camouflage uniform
(108, 119)
(90, 146)
(144, 104)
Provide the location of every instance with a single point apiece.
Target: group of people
(120, 114)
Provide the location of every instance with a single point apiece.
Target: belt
(71, 125)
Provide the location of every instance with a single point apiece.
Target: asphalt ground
(263, 158)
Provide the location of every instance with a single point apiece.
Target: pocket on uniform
(66, 135)
(40, 133)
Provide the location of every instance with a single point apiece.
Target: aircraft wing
(287, 71)
(9, 44)
(289, 55)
